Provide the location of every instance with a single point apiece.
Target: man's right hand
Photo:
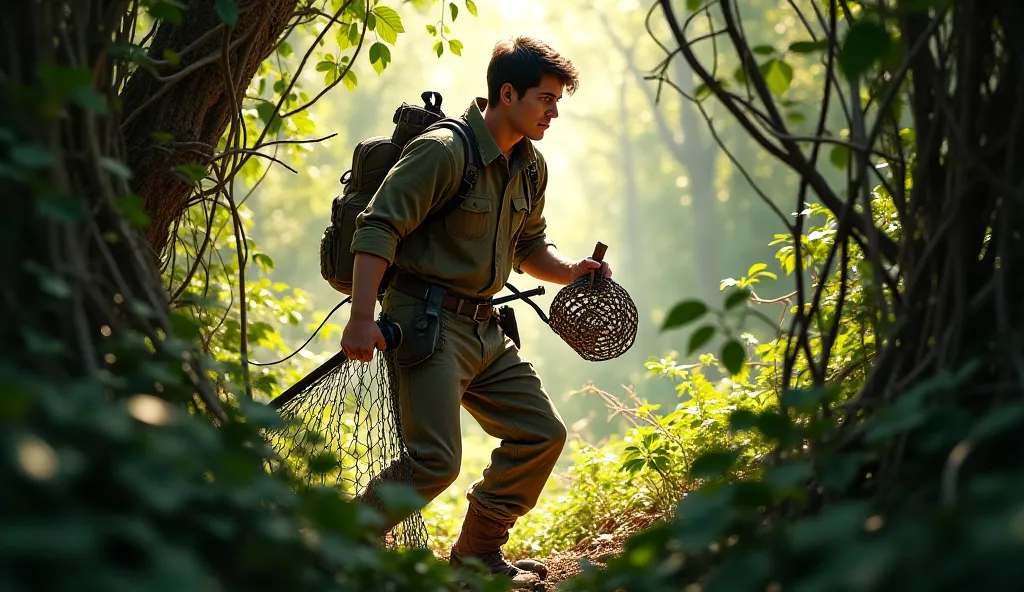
(360, 338)
(361, 333)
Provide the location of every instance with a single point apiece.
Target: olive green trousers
(477, 367)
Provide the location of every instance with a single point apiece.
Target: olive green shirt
(472, 250)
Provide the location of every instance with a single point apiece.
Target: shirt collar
(489, 151)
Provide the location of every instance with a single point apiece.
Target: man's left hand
(585, 266)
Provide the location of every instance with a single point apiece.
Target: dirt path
(565, 565)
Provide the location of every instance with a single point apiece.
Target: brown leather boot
(481, 539)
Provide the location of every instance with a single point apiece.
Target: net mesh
(599, 321)
(346, 414)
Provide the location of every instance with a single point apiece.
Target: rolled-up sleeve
(423, 175)
(534, 234)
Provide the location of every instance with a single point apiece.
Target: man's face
(532, 113)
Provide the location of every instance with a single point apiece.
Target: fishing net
(343, 429)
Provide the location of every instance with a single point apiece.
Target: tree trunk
(89, 300)
(195, 109)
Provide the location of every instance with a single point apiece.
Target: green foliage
(638, 478)
(865, 44)
(108, 489)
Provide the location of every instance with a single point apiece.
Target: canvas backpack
(372, 159)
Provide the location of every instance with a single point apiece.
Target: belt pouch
(421, 339)
(507, 322)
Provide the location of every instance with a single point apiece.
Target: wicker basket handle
(599, 250)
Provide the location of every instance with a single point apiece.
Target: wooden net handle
(599, 250)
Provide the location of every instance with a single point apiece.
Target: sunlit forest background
(816, 207)
(635, 170)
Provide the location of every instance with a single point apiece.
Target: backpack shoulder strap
(533, 190)
(471, 170)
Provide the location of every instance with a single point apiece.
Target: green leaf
(389, 24)
(264, 261)
(116, 167)
(732, 356)
(165, 10)
(999, 419)
(131, 208)
(712, 464)
(349, 80)
(400, 499)
(325, 66)
(700, 337)
(774, 425)
(865, 44)
(380, 56)
(742, 420)
(357, 8)
(840, 156)
(172, 57)
(788, 474)
(91, 100)
(807, 46)
(192, 171)
(795, 117)
(371, 22)
(837, 472)
(269, 116)
(63, 81)
(755, 268)
(55, 286)
(31, 156)
(62, 208)
(323, 462)
(454, 10)
(455, 46)
(471, 7)
(841, 521)
(736, 298)
(227, 10)
(439, 48)
(693, 5)
(805, 400)
(764, 50)
(162, 138)
(633, 465)
(740, 75)
(432, 30)
(702, 90)
(683, 313)
(183, 326)
(284, 49)
(778, 75)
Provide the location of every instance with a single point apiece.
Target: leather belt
(478, 310)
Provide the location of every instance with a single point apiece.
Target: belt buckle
(476, 312)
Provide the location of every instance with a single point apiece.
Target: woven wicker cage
(595, 316)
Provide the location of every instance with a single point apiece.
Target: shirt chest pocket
(520, 211)
(470, 220)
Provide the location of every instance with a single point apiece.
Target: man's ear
(507, 92)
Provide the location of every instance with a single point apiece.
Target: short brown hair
(522, 62)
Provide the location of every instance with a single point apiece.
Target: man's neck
(501, 131)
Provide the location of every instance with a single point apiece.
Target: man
(456, 263)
